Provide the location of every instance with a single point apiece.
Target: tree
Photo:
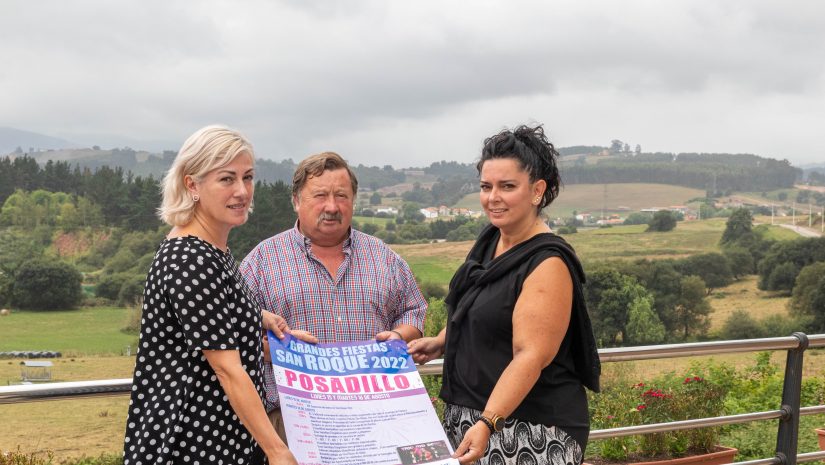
(713, 268)
(739, 224)
(740, 260)
(799, 253)
(782, 277)
(809, 294)
(662, 280)
(411, 212)
(47, 285)
(643, 326)
(273, 213)
(662, 221)
(369, 228)
(609, 295)
(375, 198)
(692, 310)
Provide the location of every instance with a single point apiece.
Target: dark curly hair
(536, 155)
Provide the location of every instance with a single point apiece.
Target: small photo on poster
(423, 453)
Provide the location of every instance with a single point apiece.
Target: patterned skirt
(520, 443)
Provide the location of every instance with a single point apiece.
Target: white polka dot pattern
(178, 412)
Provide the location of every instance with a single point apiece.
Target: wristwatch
(495, 422)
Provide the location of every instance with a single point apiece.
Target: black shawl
(473, 275)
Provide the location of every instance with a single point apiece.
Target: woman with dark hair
(518, 347)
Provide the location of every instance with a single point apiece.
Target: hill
(614, 198)
(11, 139)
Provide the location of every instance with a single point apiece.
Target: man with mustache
(327, 279)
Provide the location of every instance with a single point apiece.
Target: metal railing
(788, 414)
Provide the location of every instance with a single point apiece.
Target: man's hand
(388, 335)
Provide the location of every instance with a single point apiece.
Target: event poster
(356, 403)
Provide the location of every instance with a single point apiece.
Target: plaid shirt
(373, 290)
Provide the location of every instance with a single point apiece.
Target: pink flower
(641, 407)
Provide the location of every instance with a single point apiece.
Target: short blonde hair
(207, 149)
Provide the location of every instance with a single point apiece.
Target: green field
(73, 332)
(371, 219)
(614, 198)
(91, 338)
(437, 262)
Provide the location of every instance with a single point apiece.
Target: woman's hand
(281, 457)
(425, 349)
(277, 324)
(474, 444)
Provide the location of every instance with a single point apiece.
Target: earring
(536, 200)
(196, 197)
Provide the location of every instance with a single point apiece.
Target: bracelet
(488, 423)
(400, 336)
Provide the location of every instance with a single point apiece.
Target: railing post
(788, 434)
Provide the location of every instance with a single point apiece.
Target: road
(804, 232)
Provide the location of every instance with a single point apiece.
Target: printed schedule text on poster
(356, 403)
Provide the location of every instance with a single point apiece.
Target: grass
(69, 428)
(632, 242)
(91, 339)
(93, 330)
(434, 262)
(744, 295)
(372, 219)
(437, 262)
(591, 198)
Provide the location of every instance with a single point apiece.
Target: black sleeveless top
(483, 294)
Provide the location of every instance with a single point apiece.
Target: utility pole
(604, 198)
(810, 215)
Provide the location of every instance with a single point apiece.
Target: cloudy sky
(411, 82)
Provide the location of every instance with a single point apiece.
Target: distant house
(429, 212)
(387, 210)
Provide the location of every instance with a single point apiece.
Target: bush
(110, 284)
(436, 318)
(131, 291)
(638, 218)
(662, 221)
(741, 325)
(433, 290)
(667, 398)
(47, 285)
(567, 229)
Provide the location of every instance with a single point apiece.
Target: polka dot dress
(178, 413)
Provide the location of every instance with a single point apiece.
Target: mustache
(331, 216)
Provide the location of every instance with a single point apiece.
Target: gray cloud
(409, 83)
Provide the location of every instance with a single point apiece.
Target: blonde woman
(197, 393)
